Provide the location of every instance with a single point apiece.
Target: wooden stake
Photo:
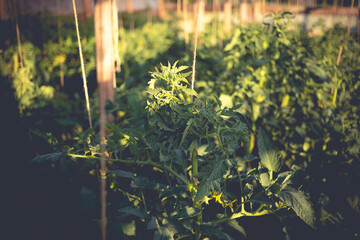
(82, 65)
(213, 24)
(129, 6)
(58, 7)
(87, 11)
(178, 7)
(201, 15)
(334, 92)
(161, 10)
(115, 32)
(185, 16)
(18, 37)
(3, 10)
(130, 10)
(227, 16)
(195, 46)
(104, 67)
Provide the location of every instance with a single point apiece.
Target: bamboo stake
(102, 160)
(82, 65)
(18, 37)
(62, 82)
(335, 91)
(149, 19)
(130, 10)
(213, 24)
(335, 77)
(185, 16)
(348, 22)
(219, 26)
(178, 7)
(263, 7)
(3, 10)
(115, 25)
(201, 15)
(161, 9)
(227, 20)
(122, 36)
(195, 46)
(104, 66)
(87, 9)
(129, 6)
(236, 9)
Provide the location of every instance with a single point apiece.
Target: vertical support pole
(161, 10)
(115, 34)
(3, 10)
(227, 16)
(185, 20)
(104, 67)
(87, 11)
(201, 15)
(178, 7)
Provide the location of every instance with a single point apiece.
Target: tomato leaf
(268, 154)
(298, 201)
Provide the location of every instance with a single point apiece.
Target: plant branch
(244, 213)
(138, 162)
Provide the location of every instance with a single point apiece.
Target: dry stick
(263, 7)
(194, 159)
(82, 65)
(195, 46)
(130, 10)
(201, 16)
(335, 78)
(60, 43)
(348, 22)
(178, 7)
(115, 25)
(219, 26)
(3, 10)
(122, 36)
(335, 92)
(213, 24)
(185, 16)
(18, 38)
(236, 6)
(227, 19)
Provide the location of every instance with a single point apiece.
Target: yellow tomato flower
(320, 104)
(230, 204)
(218, 197)
(206, 200)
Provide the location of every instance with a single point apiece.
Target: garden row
(273, 117)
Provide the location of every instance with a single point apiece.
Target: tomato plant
(199, 150)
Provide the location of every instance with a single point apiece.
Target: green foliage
(189, 154)
(299, 203)
(287, 82)
(171, 158)
(268, 154)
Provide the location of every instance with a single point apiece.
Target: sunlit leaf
(122, 173)
(129, 228)
(268, 154)
(186, 212)
(51, 157)
(133, 211)
(235, 225)
(298, 201)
